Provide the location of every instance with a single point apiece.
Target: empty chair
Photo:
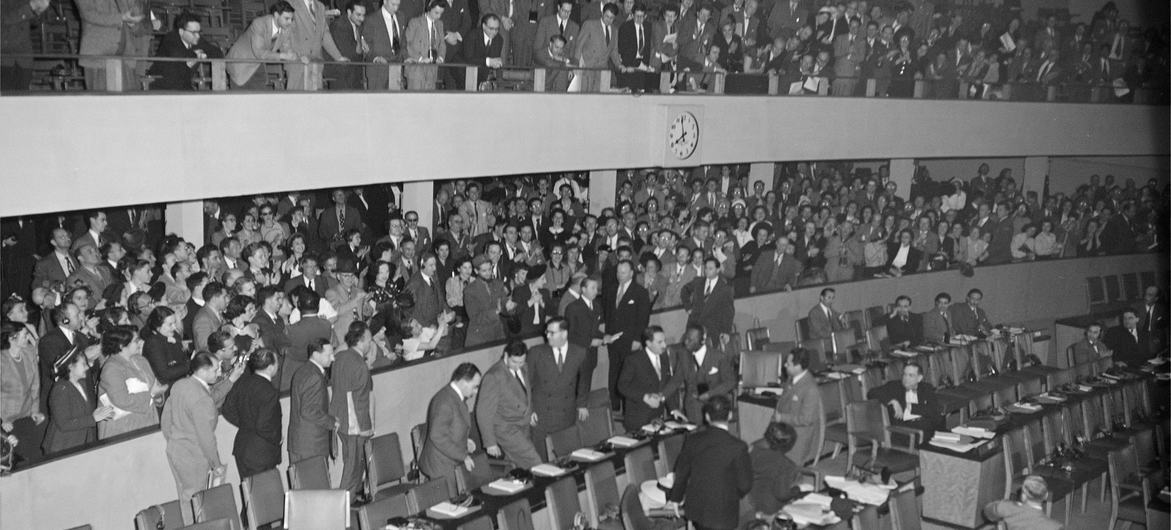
(842, 341)
(516, 515)
(602, 495)
(801, 326)
(876, 314)
(634, 518)
(669, 448)
(877, 339)
(760, 368)
(314, 509)
(869, 427)
(384, 466)
(1129, 491)
(857, 321)
(480, 523)
(373, 516)
(905, 513)
(309, 474)
(427, 494)
(480, 475)
(264, 497)
(640, 465)
(167, 516)
(598, 427)
(563, 442)
(216, 503)
(216, 524)
(418, 436)
(834, 420)
(819, 351)
(561, 498)
(756, 338)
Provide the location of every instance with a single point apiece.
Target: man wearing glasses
(419, 235)
(485, 47)
(183, 41)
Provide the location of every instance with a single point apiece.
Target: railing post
(920, 88)
(604, 83)
(774, 83)
(539, 80)
(471, 78)
(1096, 94)
(963, 90)
(823, 86)
(1006, 92)
(219, 76)
(718, 87)
(664, 82)
(871, 87)
(1051, 93)
(114, 75)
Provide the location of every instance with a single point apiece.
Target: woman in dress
(128, 384)
(163, 345)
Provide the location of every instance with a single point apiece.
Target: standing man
(338, 219)
(16, 38)
(188, 424)
(823, 319)
(776, 268)
(706, 371)
(485, 47)
(350, 404)
(383, 33)
(310, 425)
(347, 36)
(713, 471)
(210, 316)
(646, 380)
(627, 307)
(426, 46)
(430, 300)
(484, 299)
(268, 38)
(558, 23)
(799, 405)
(310, 34)
(253, 405)
(448, 424)
(560, 382)
(183, 41)
(596, 45)
(1154, 318)
(101, 34)
(582, 318)
(709, 301)
(634, 52)
(504, 410)
(457, 22)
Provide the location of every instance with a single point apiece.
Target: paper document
(104, 399)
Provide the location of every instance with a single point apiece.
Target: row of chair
(1115, 288)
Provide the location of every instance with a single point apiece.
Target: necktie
(708, 290)
(946, 322)
(520, 379)
(638, 39)
(311, 288)
(69, 266)
(357, 40)
(559, 355)
(655, 361)
(621, 293)
(562, 25)
(607, 30)
(1150, 318)
(341, 220)
(394, 39)
(313, 9)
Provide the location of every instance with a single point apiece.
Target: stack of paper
(957, 447)
(857, 491)
(547, 470)
(622, 441)
(508, 485)
(813, 509)
(447, 509)
(974, 432)
(836, 375)
(588, 455)
(1050, 398)
(768, 391)
(949, 437)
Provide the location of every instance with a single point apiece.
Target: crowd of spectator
(814, 46)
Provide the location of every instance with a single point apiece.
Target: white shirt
(901, 256)
(799, 376)
(391, 20)
(456, 388)
(700, 355)
(655, 362)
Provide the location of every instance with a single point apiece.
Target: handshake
(653, 400)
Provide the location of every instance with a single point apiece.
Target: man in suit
(647, 381)
(679, 275)
(775, 269)
(426, 46)
(1154, 318)
(188, 423)
(709, 301)
(310, 424)
(95, 234)
(309, 329)
(428, 290)
(374, 205)
(712, 472)
(533, 304)
(16, 38)
(383, 33)
(937, 326)
(347, 37)
(903, 327)
(92, 273)
(695, 37)
(101, 34)
(475, 211)
(485, 47)
(596, 44)
(582, 317)
(912, 402)
(664, 33)
(1029, 512)
(448, 424)
(337, 219)
(272, 325)
(183, 41)
(823, 319)
(504, 409)
(799, 405)
(1129, 342)
(269, 38)
(350, 403)
(560, 381)
(420, 235)
(634, 52)
(210, 316)
(970, 318)
(57, 265)
(559, 23)
(849, 52)
(1090, 349)
(627, 309)
(706, 371)
(253, 405)
(787, 15)
(457, 22)
(310, 277)
(310, 35)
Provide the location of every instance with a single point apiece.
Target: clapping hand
(103, 413)
(653, 400)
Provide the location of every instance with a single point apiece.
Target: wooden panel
(956, 489)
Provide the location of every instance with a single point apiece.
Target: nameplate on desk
(974, 432)
(587, 455)
(959, 447)
(548, 470)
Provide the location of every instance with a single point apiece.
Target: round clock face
(683, 135)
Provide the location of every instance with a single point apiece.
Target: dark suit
(319, 284)
(477, 52)
(1127, 348)
(557, 392)
(716, 375)
(71, 421)
(823, 326)
(799, 405)
(927, 407)
(177, 75)
(968, 321)
(328, 228)
(1117, 236)
(936, 326)
(629, 316)
(253, 405)
(457, 18)
(531, 319)
(766, 276)
(446, 446)
(630, 54)
(310, 425)
(908, 329)
(693, 43)
(350, 398)
(345, 37)
(51, 347)
(583, 322)
(300, 334)
(390, 44)
(914, 258)
(638, 379)
(713, 311)
(48, 271)
(712, 473)
(430, 300)
(272, 332)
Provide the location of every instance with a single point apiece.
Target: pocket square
(630, 302)
(714, 371)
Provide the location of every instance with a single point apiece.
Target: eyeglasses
(412, 220)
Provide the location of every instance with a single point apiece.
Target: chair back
(597, 428)
(373, 516)
(1094, 416)
(563, 442)
(876, 314)
(819, 351)
(166, 516)
(801, 327)
(633, 516)
(418, 436)
(216, 503)
(483, 522)
(784, 347)
(1138, 400)
(516, 515)
(467, 481)
(841, 342)
(215, 524)
(1113, 288)
(1123, 464)
(756, 338)
(832, 402)
(264, 496)
(640, 465)
(1144, 445)
(1035, 447)
(1095, 291)
(868, 418)
(313, 509)
(601, 492)
(857, 322)
(561, 498)
(961, 364)
(905, 513)
(669, 448)
(384, 462)
(309, 474)
(1053, 423)
(877, 339)
(428, 494)
(760, 368)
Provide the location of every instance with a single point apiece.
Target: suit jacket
(272, 332)
(712, 473)
(549, 26)
(71, 421)
(503, 406)
(258, 42)
(52, 346)
(16, 36)
(928, 405)
(676, 280)
(1017, 516)
(936, 326)
(177, 75)
(188, 423)
(716, 375)
(968, 322)
(693, 43)
(909, 330)
(766, 276)
(319, 284)
(310, 424)
(205, 323)
(341, 32)
(631, 315)
(628, 49)
(715, 311)
(310, 33)
(481, 300)
(101, 30)
(327, 225)
(914, 258)
(168, 360)
(783, 16)
(253, 405)
(1084, 352)
(48, 271)
(350, 397)
(1126, 348)
(420, 44)
(638, 378)
(592, 50)
(557, 393)
(799, 405)
(848, 56)
(448, 423)
(822, 326)
(477, 52)
(422, 239)
(379, 39)
(430, 300)
(300, 334)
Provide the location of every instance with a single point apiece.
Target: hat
(346, 266)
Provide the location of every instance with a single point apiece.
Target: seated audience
(911, 402)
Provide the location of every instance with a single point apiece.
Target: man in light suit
(209, 318)
(647, 381)
(475, 211)
(709, 301)
(823, 319)
(101, 34)
(775, 269)
(1090, 349)
(383, 32)
(188, 423)
(310, 34)
(695, 37)
(95, 234)
(57, 265)
(559, 23)
(426, 46)
(970, 318)
(713, 471)
(310, 424)
(678, 275)
(560, 381)
(448, 423)
(627, 309)
(346, 32)
(706, 371)
(799, 405)
(504, 410)
(420, 235)
(269, 38)
(596, 44)
(787, 15)
(350, 403)
(937, 322)
(849, 53)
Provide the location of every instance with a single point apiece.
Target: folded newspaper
(864, 493)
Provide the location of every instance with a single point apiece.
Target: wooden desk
(956, 486)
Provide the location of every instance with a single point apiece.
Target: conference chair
(564, 505)
(428, 494)
(841, 342)
(313, 509)
(385, 474)
(757, 337)
(905, 512)
(516, 515)
(418, 436)
(216, 503)
(602, 496)
(309, 474)
(215, 524)
(634, 518)
(483, 522)
(1130, 490)
(640, 465)
(373, 516)
(869, 427)
(834, 418)
(563, 442)
(801, 327)
(598, 427)
(669, 449)
(167, 516)
(264, 497)
(483, 473)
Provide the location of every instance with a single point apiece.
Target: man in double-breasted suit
(448, 421)
(268, 38)
(694, 38)
(583, 317)
(799, 405)
(627, 308)
(310, 424)
(849, 53)
(1129, 342)
(504, 409)
(709, 301)
(647, 380)
(560, 382)
(1090, 349)
(337, 219)
(634, 52)
(383, 31)
(426, 47)
(705, 370)
(596, 43)
(970, 318)
(188, 423)
(310, 35)
(824, 320)
(457, 22)
(253, 405)
(101, 34)
(428, 290)
(558, 23)
(787, 14)
(346, 32)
